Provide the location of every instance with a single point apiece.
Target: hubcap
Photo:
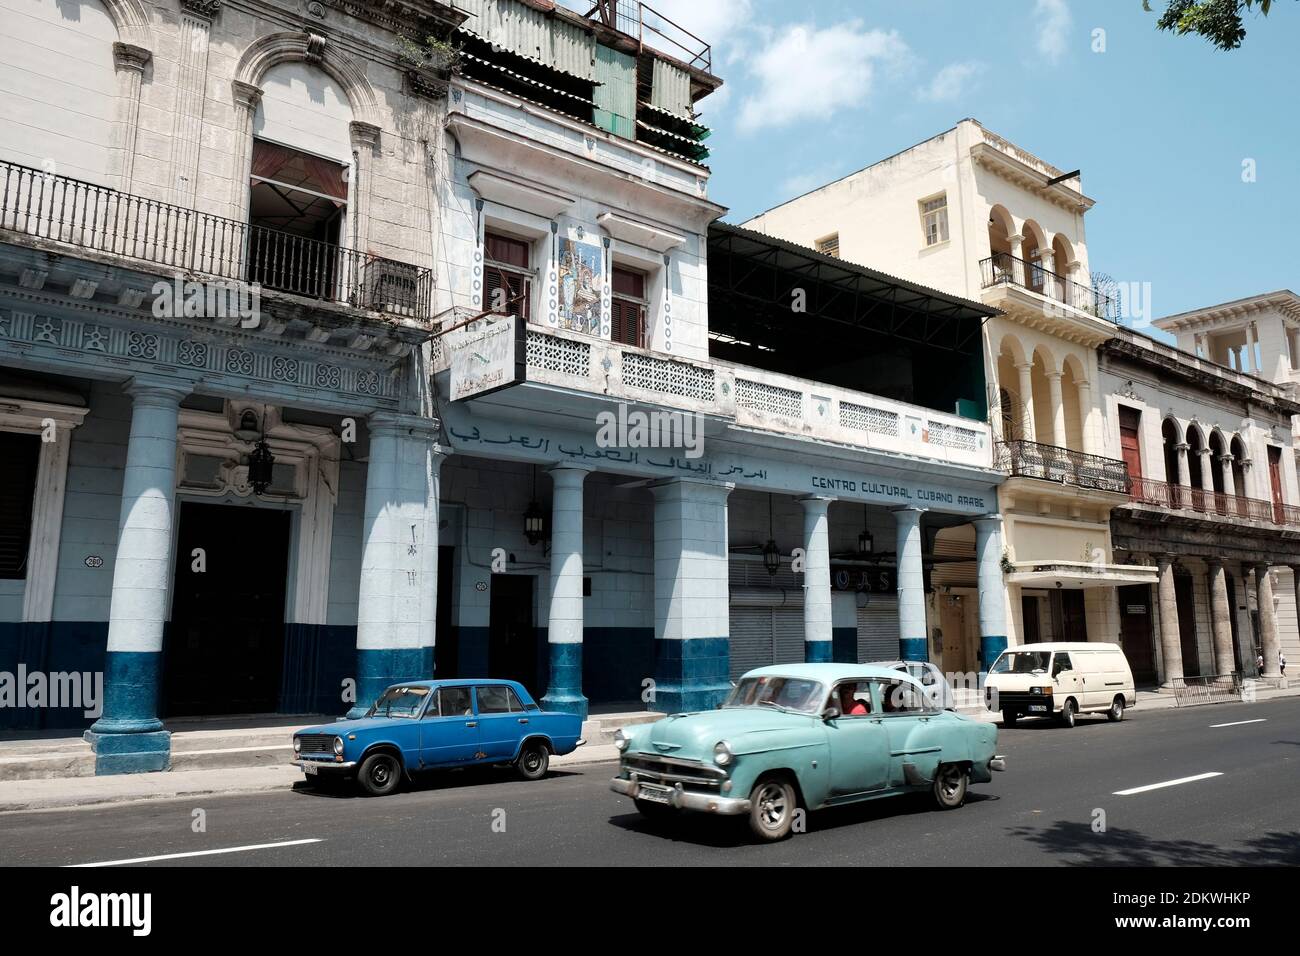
(772, 806)
(380, 774)
(532, 761)
(951, 783)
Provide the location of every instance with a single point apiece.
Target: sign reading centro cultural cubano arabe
(486, 356)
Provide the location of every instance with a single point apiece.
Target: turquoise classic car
(805, 736)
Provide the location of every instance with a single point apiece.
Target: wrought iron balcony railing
(1030, 459)
(58, 208)
(1163, 494)
(1004, 269)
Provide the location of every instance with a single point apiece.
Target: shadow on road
(426, 782)
(1118, 847)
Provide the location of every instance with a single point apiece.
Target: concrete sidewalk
(71, 792)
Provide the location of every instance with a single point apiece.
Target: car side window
(901, 697)
(1061, 662)
(453, 702)
(852, 698)
(496, 699)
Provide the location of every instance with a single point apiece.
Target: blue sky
(1159, 124)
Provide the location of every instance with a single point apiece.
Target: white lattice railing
(948, 435)
(554, 354)
(668, 377)
(867, 418)
(766, 397)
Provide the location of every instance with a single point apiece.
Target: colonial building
(265, 453)
(975, 215)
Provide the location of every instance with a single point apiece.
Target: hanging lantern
(534, 522)
(260, 466)
(865, 543)
(771, 557)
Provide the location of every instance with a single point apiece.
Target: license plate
(1037, 708)
(653, 793)
(310, 769)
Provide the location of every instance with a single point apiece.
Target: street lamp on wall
(534, 517)
(771, 553)
(261, 463)
(866, 544)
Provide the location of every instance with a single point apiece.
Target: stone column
(1171, 646)
(191, 91)
(1221, 619)
(1017, 244)
(1051, 287)
(913, 639)
(1207, 471)
(365, 141)
(692, 597)
(1026, 370)
(992, 589)
(1085, 416)
(1058, 409)
(1250, 364)
(129, 737)
(816, 580)
(1267, 620)
(130, 61)
(246, 98)
(1229, 479)
(564, 623)
(398, 596)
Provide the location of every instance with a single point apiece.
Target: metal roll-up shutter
(751, 638)
(787, 631)
(878, 629)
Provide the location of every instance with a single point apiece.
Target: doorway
(446, 647)
(1184, 593)
(512, 637)
(1135, 631)
(224, 652)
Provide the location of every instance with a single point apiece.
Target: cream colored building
(973, 214)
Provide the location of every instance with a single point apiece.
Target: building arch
(277, 48)
(1218, 451)
(1171, 438)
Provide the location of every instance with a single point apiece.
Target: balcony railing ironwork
(1163, 494)
(1030, 459)
(1005, 269)
(45, 206)
(652, 29)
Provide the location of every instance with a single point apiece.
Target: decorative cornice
(246, 95)
(130, 56)
(202, 8)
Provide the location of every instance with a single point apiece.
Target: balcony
(68, 211)
(1003, 269)
(1212, 504)
(1064, 466)
(751, 398)
(654, 30)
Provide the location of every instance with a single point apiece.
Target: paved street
(1040, 812)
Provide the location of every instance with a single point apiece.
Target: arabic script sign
(486, 356)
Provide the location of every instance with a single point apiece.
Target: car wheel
(772, 808)
(950, 785)
(1009, 718)
(534, 760)
(1068, 711)
(1116, 711)
(380, 774)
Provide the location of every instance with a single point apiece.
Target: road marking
(181, 856)
(1238, 723)
(1167, 783)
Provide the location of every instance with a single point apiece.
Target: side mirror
(830, 713)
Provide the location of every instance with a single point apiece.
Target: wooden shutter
(627, 310)
(20, 454)
(505, 255)
(1130, 420)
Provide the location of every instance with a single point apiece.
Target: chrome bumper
(998, 762)
(324, 765)
(682, 799)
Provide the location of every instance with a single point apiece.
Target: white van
(1061, 680)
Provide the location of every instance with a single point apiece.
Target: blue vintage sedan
(432, 724)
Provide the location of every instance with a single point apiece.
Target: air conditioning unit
(392, 287)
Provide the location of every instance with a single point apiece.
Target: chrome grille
(671, 770)
(316, 744)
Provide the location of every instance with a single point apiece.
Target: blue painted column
(564, 624)
(912, 635)
(992, 589)
(692, 596)
(129, 737)
(817, 631)
(398, 596)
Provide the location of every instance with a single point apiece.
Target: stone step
(598, 729)
(73, 758)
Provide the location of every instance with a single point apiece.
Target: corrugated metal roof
(531, 33)
(670, 89)
(525, 79)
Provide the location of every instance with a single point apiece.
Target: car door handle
(523, 720)
(471, 723)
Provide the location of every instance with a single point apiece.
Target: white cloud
(1053, 21)
(803, 73)
(951, 81)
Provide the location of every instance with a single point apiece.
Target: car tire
(772, 809)
(951, 782)
(534, 760)
(1116, 712)
(1009, 718)
(1068, 711)
(380, 774)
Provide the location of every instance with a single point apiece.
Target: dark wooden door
(1130, 423)
(1275, 480)
(1074, 624)
(1135, 632)
(1186, 598)
(446, 649)
(512, 638)
(1029, 614)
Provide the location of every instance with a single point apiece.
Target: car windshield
(399, 702)
(1021, 662)
(786, 693)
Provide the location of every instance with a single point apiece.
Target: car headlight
(621, 740)
(722, 754)
(338, 746)
(1040, 690)
(297, 745)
